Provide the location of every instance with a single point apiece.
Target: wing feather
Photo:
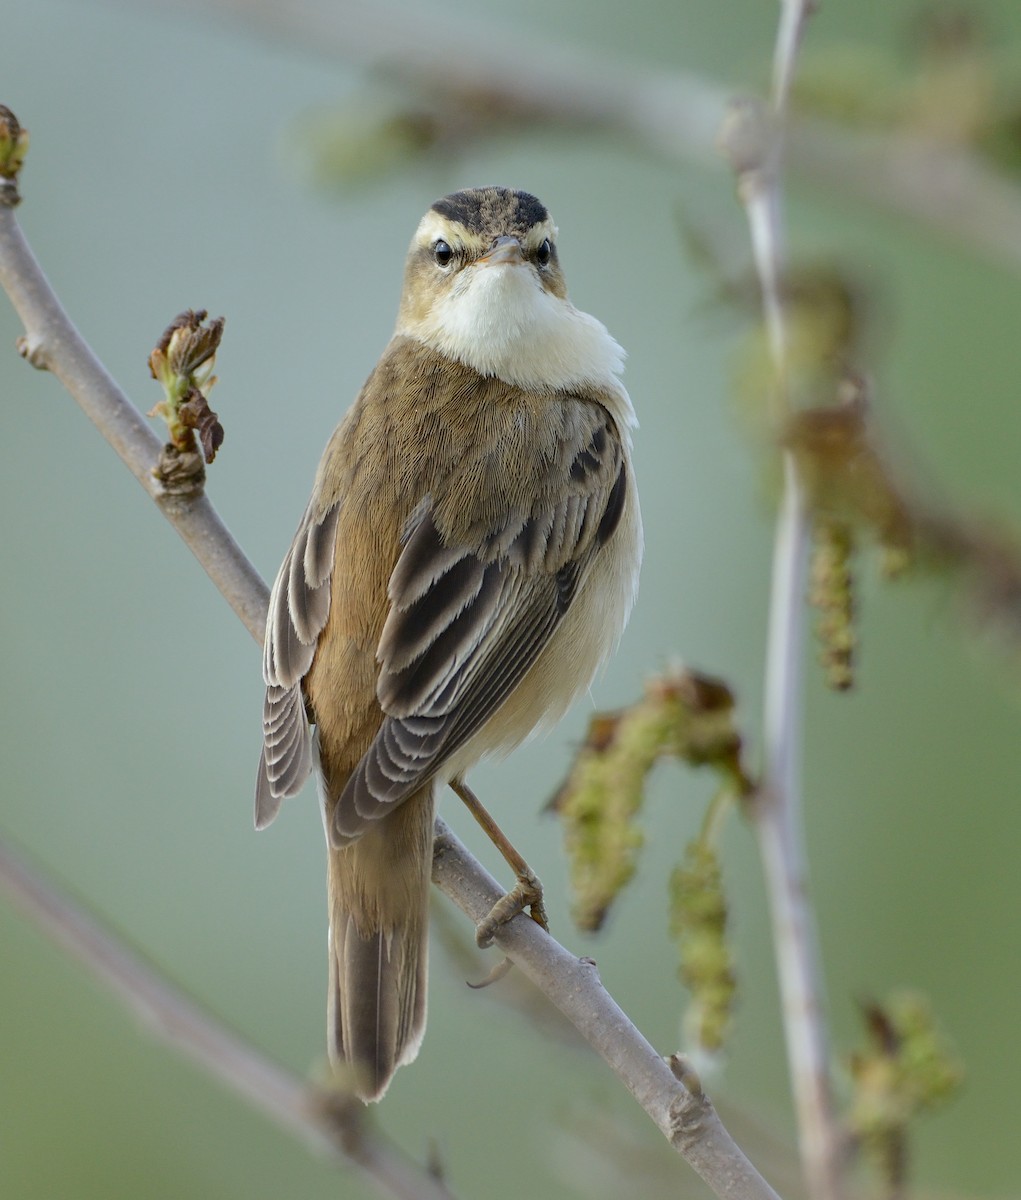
(427, 620)
(469, 615)
(299, 605)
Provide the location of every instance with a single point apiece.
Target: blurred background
(182, 157)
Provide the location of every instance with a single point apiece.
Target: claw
(494, 976)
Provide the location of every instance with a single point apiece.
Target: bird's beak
(505, 250)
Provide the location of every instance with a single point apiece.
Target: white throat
(499, 320)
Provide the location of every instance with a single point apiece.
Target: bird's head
(483, 285)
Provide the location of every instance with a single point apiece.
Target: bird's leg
(526, 893)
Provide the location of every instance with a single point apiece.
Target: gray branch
(315, 1117)
(52, 343)
(670, 1094)
(756, 144)
(674, 114)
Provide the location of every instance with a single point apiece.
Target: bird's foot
(526, 893)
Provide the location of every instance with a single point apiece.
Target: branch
(755, 145)
(668, 1091)
(945, 187)
(680, 1109)
(314, 1116)
(476, 66)
(793, 16)
(52, 343)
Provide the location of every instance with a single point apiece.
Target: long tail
(379, 929)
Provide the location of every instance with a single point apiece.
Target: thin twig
(777, 810)
(52, 343)
(678, 1106)
(684, 1115)
(314, 1117)
(793, 16)
(757, 146)
(674, 114)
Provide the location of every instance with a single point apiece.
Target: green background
(160, 178)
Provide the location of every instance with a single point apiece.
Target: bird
(467, 561)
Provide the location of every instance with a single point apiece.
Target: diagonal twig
(669, 1092)
(315, 1117)
(52, 343)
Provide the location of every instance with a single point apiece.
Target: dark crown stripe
(491, 211)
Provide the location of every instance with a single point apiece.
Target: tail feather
(379, 897)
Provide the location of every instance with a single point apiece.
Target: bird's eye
(544, 253)
(442, 253)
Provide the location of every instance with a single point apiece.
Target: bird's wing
(469, 616)
(298, 607)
